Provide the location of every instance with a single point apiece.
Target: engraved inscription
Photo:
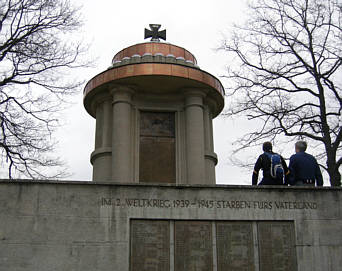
(234, 241)
(157, 160)
(193, 246)
(208, 204)
(150, 245)
(277, 246)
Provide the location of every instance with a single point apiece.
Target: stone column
(194, 137)
(121, 137)
(101, 158)
(210, 155)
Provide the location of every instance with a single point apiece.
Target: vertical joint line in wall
(130, 239)
(256, 246)
(136, 145)
(214, 246)
(178, 147)
(172, 245)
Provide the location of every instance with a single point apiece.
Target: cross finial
(154, 33)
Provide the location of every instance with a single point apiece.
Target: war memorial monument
(153, 204)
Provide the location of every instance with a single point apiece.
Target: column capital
(99, 99)
(122, 89)
(122, 94)
(195, 92)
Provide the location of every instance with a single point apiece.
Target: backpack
(276, 170)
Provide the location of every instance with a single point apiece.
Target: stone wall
(93, 226)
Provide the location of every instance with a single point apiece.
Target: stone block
(87, 226)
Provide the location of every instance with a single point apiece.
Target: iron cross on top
(154, 33)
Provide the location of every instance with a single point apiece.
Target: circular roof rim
(143, 63)
(154, 42)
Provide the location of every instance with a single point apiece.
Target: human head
(301, 146)
(267, 146)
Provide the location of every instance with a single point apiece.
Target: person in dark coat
(264, 163)
(304, 168)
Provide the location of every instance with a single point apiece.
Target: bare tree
(36, 52)
(289, 74)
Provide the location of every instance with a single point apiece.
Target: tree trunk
(334, 174)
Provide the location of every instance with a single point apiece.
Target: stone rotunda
(154, 108)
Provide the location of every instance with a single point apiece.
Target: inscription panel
(150, 245)
(235, 248)
(277, 250)
(157, 160)
(157, 151)
(193, 246)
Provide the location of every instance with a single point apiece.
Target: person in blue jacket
(304, 168)
(270, 163)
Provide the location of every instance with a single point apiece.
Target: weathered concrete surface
(85, 225)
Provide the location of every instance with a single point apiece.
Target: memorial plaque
(193, 246)
(157, 160)
(277, 250)
(235, 248)
(150, 245)
(157, 154)
(157, 124)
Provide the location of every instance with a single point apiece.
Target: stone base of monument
(99, 226)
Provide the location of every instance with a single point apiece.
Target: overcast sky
(113, 25)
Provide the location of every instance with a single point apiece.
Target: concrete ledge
(220, 186)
